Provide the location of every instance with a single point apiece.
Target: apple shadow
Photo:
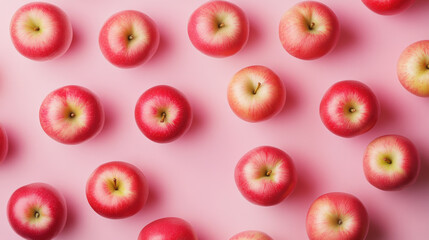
(291, 94)
(347, 37)
(422, 180)
(375, 231)
(419, 7)
(254, 33)
(76, 42)
(163, 48)
(197, 117)
(387, 115)
(71, 216)
(110, 118)
(13, 147)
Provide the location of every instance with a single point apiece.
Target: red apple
(117, 190)
(170, 228)
(413, 68)
(251, 235)
(265, 175)
(71, 115)
(163, 114)
(37, 211)
(128, 39)
(388, 7)
(349, 108)
(309, 30)
(218, 28)
(337, 216)
(4, 144)
(41, 31)
(256, 93)
(391, 162)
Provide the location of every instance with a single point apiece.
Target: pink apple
(251, 235)
(256, 93)
(265, 176)
(218, 28)
(169, 228)
(4, 144)
(337, 216)
(37, 211)
(117, 190)
(388, 7)
(41, 31)
(163, 114)
(309, 30)
(413, 68)
(71, 115)
(349, 108)
(128, 39)
(391, 162)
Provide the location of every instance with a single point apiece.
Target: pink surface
(192, 178)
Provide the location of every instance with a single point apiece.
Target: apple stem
(340, 221)
(72, 115)
(163, 115)
(115, 186)
(257, 88)
(352, 110)
(427, 66)
(130, 37)
(221, 25)
(387, 160)
(37, 29)
(36, 214)
(311, 25)
(268, 173)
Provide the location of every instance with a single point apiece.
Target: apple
(163, 114)
(117, 190)
(413, 68)
(265, 175)
(37, 211)
(251, 235)
(337, 216)
(388, 7)
(391, 162)
(349, 108)
(4, 144)
(71, 115)
(128, 39)
(170, 228)
(41, 31)
(256, 93)
(218, 29)
(309, 30)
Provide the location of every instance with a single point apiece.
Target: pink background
(192, 177)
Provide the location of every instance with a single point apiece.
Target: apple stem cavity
(221, 25)
(311, 26)
(115, 186)
(72, 115)
(352, 110)
(37, 28)
(268, 173)
(163, 115)
(427, 66)
(387, 160)
(130, 37)
(257, 88)
(36, 214)
(340, 221)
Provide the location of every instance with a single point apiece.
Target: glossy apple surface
(163, 114)
(309, 30)
(117, 190)
(413, 68)
(170, 228)
(251, 235)
(4, 144)
(349, 108)
(218, 28)
(265, 175)
(37, 211)
(41, 31)
(256, 94)
(128, 39)
(388, 7)
(71, 115)
(391, 162)
(337, 216)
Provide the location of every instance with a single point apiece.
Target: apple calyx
(163, 115)
(257, 88)
(37, 28)
(72, 115)
(268, 173)
(352, 110)
(130, 37)
(221, 25)
(388, 160)
(339, 222)
(311, 26)
(36, 214)
(427, 66)
(115, 185)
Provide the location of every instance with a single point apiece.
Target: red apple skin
(131, 196)
(388, 7)
(349, 108)
(268, 100)
(304, 41)
(149, 114)
(391, 162)
(55, 119)
(413, 68)
(265, 176)
(251, 235)
(204, 30)
(54, 43)
(325, 212)
(170, 228)
(51, 206)
(4, 144)
(115, 43)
